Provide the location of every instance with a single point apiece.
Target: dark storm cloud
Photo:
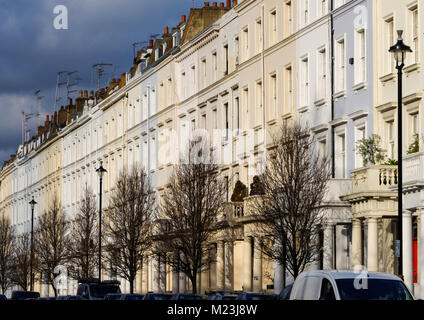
(32, 51)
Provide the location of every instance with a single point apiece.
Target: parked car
(113, 296)
(182, 296)
(91, 289)
(157, 296)
(2, 297)
(131, 297)
(221, 296)
(285, 293)
(256, 296)
(25, 295)
(349, 285)
(46, 298)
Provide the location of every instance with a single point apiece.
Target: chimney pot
(183, 17)
(166, 30)
(214, 4)
(221, 4)
(47, 117)
(234, 3)
(207, 4)
(80, 93)
(91, 93)
(228, 3)
(150, 43)
(70, 101)
(85, 94)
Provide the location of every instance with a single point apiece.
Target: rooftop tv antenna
(25, 129)
(70, 84)
(38, 99)
(99, 68)
(138, 44)
(59, 83)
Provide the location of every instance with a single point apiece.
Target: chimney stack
(214, 4)
(207, 4)
(221, 4)
(228, 3)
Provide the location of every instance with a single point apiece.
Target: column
(421, 252)
(407, 263)
(162, 275)
(257, 266)
(328, 247)
(182, 284)
(356, 244)
(155, 271)
(220, 277)
(204, 277)
(144, 275)
(247, 264)
(139, 281)
(175, 277)
(278, 270)
(372, 263)
(229, 266)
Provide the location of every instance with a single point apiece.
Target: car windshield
(259, 297)
(133, 297)
(373, 289)
(99, 291)
(189, 297)
(159, 297)
(26, 295)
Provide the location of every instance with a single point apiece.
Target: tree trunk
(194, 283)
(54, 290)
(131, 280)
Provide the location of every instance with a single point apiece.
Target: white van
(349, 285)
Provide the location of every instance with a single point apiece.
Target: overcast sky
(32, 51)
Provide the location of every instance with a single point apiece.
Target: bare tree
(6, 243)
(21, 261)
(128, 223)
(50, 242)
(294, 183)
(189, 209)
(83, 240)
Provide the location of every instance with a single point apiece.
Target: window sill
(288, 115)
(271, 122)
(340, 94)
(359, 86)
(387, 77)
(320, 102)
(303, 109)
(412, 67)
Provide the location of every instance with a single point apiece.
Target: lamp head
(101, 171)
(32, 203)
(399, 49)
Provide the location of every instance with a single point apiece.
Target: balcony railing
(413, 169)
(374, 178)
(233, 210)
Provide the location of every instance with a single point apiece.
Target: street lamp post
(100, 171)
(32, 203)
(399, 51)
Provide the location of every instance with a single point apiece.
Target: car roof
(339, 274)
